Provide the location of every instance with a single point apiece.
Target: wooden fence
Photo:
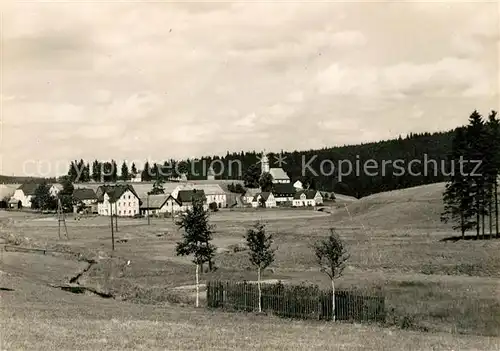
(304, 302)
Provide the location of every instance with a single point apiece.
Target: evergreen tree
(146, 173)
(493, 126)
(134, 170)
(72, 171)
(96, 171)
(261, 254)
(125, 176)
(114, 171)
(475, 135)
(457, 199)
(197, 237)
(66, 194)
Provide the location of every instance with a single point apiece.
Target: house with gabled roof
(121, 200)
(265, 197)
(25, 193)
(186, 198)
(85, 198)
(283, 193)
(307, 198)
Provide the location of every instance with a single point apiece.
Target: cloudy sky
(134, 81)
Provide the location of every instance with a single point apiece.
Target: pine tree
(251, 177)
(134, 170)
(125, 176)
(261, 254)
(96, 171)
(457, 200)
(475, 135)
(146, 173)
(114, 171)
(493, 126)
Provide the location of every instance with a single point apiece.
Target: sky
(149, 80)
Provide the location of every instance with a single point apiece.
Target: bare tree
(331, 256)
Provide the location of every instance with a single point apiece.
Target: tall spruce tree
(476, 137)
(125, 175)
(458, 202)
(493, 125)
(96, 171)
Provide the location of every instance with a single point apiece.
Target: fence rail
(24, 249)
(304, 302)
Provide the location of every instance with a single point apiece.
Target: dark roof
(84, 194)
(265, 196)
(310, 194)
(283, 189)
(189, 195)
(115, 192)
(29, 188)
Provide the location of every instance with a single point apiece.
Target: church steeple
(264, 163)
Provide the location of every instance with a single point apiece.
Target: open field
(394, 239)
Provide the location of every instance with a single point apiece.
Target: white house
(122, 200)
(250, 194)
(25, 194)
(307, 198)
(268, 197)
(298, 185)
(55, 189)
(283, 193)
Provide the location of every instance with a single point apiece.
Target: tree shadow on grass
(470, 237)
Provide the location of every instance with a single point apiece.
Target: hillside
(20, 179)
(417, 206)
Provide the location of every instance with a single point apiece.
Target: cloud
(160, 80)
(449, 76)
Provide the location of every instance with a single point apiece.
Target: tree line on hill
(306, 166)
(471, 195)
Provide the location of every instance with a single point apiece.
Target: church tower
(264, 163)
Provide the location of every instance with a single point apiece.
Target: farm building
(86, 198)
(283, 193)
(7, 191)
(25, 193)
(213, 192)
(250, 195)
(268, 199)
(186, 197)
(122, 200)
(307, 198)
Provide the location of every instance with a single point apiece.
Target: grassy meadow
(440, 294)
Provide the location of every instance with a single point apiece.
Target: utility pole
(147, 213)
(61, 218)
(116, 218)
(112, 227)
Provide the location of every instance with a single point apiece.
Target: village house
(122, 200)
(24, 194)
(154, 205)
(85, 198)
(250, 195)
(283, 193)
(186, 197)
(266, 197)
(213, 193)
(307, 198)
(55, 189)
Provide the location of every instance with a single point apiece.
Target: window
(120, 212)
(129, 212)
(129, 204)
